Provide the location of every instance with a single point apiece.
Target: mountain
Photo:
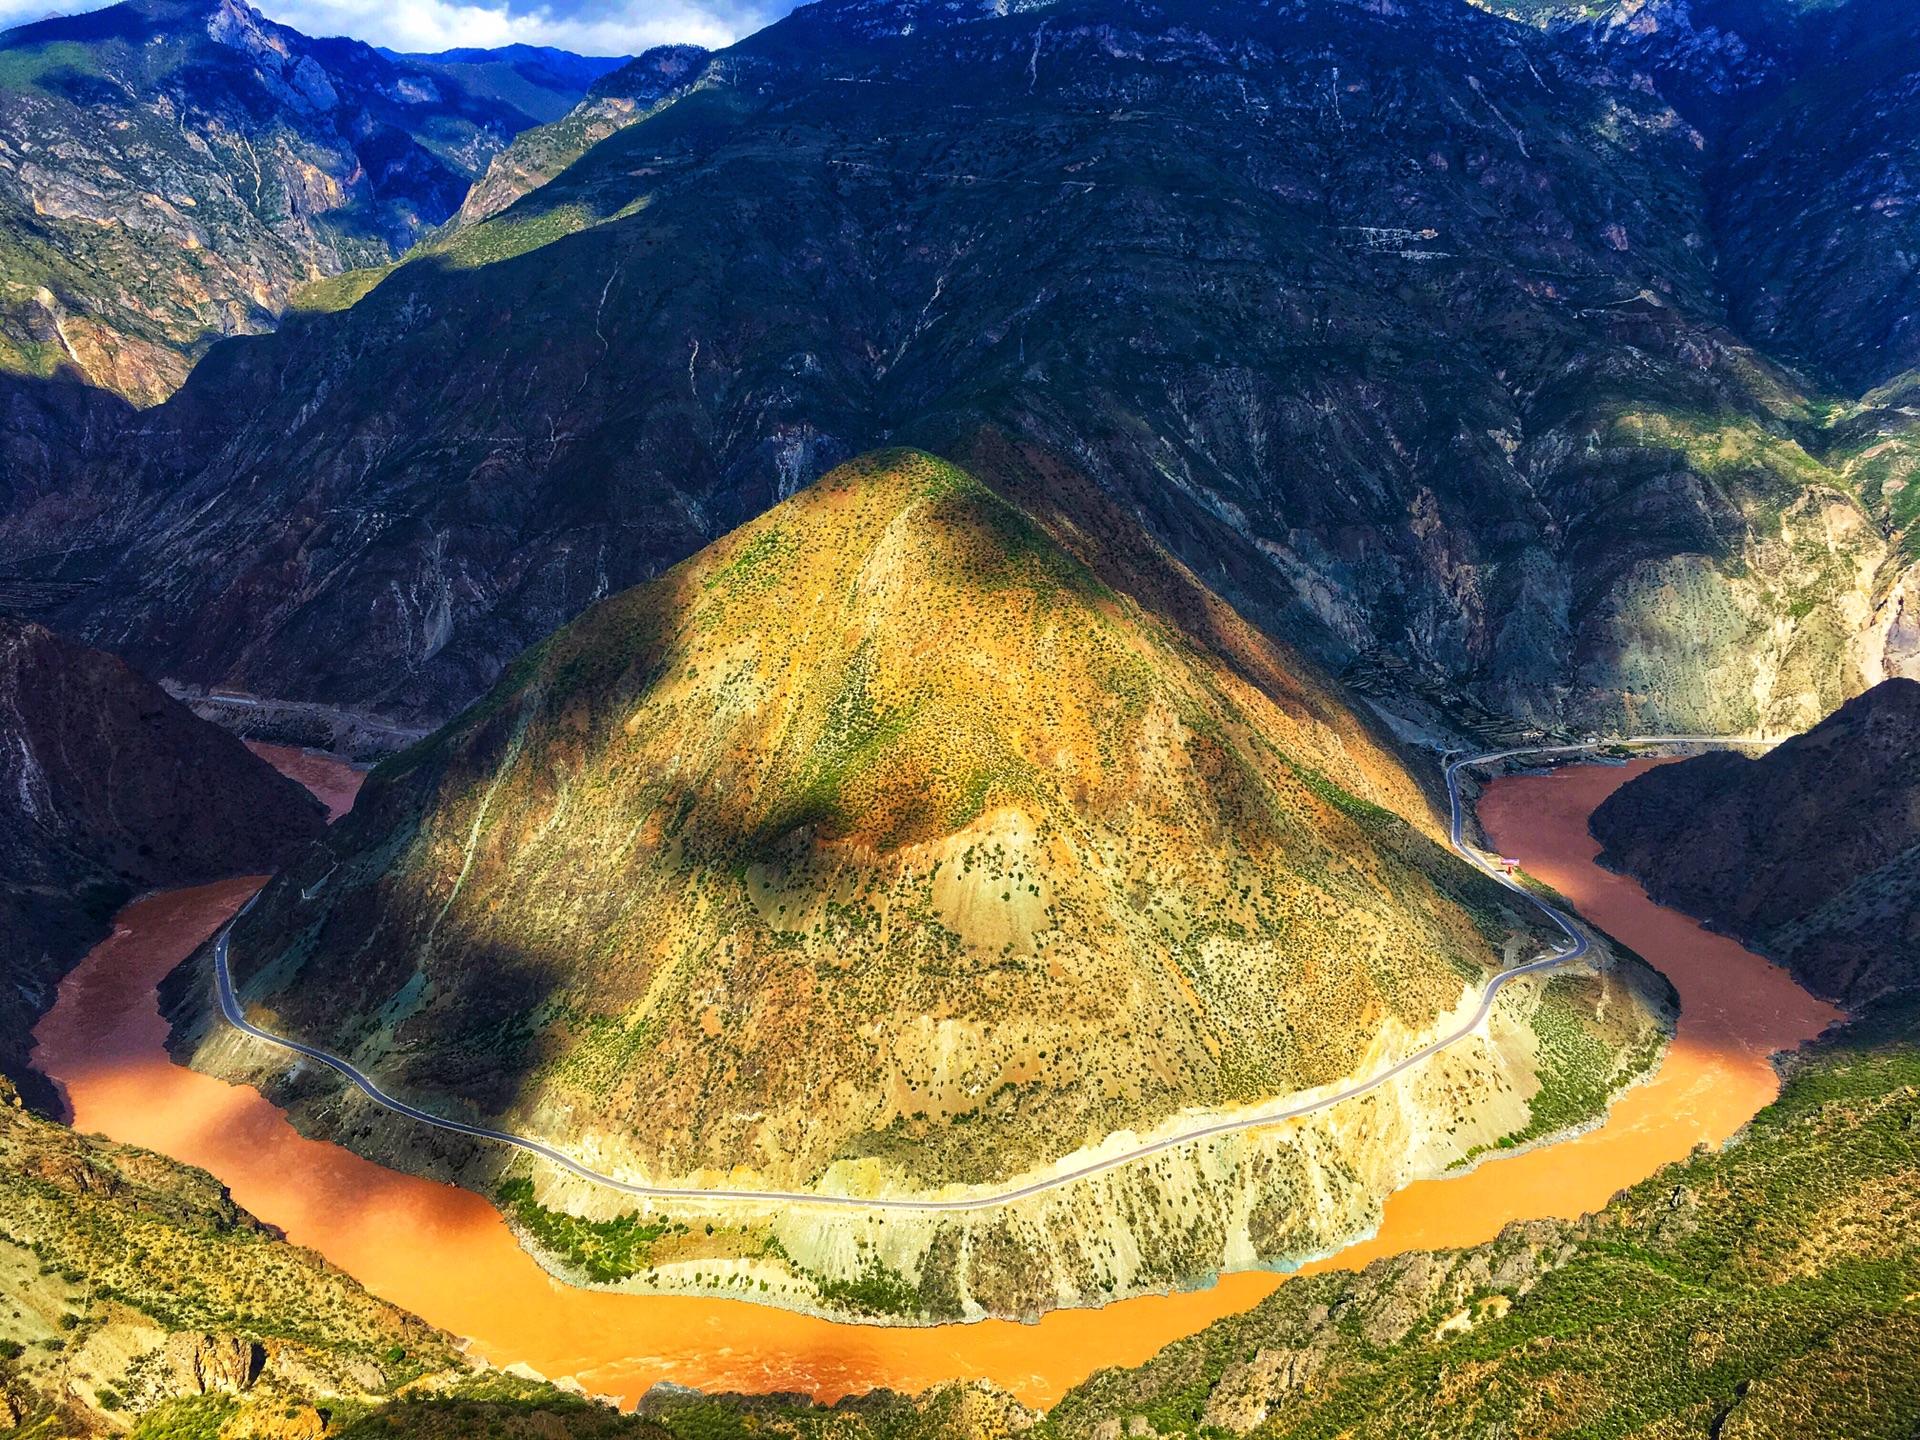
(1809, 854)
(616, 99)
(882, 847)
(172, 171)
(112, 787)
(537, 80)
(1415, 331)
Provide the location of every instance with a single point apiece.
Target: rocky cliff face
(1810, 854)
(881, 849)
(1409, 327)
(111, 787)
(171, 171)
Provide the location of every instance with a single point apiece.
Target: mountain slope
(174, 169)
(616, 99)
(1810, 853)
(1760, 1293)
(882, 847)
(112, 787)
(1436, 359)
(139, 1293)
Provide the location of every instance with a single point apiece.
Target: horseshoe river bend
(447, 1255)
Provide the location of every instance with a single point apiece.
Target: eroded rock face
(1248, 1391)
(212, 1364)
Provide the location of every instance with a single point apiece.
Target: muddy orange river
(445, 1254)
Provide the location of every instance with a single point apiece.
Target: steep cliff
(1810, 854)
(111, 787)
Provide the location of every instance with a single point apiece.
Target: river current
(445, 1253)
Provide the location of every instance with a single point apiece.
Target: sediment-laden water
(447, 1255)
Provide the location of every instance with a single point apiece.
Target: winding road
(1578, 945)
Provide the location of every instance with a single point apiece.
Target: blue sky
(593, 27)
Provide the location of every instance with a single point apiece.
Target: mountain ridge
(1811, 853)
(175, 169)
(1527, 456)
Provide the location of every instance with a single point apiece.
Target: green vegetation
(879, 1289)
(338, 292)
(1579, 1070)
(610, 1251)
(1769, 1290)
(602, 1250)
(194, 1417)
(497, 1406)
(506, 236)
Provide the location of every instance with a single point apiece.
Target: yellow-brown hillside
(880, 828)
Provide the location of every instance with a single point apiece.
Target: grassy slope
(105, 1251)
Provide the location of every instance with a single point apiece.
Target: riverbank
(447, 1255)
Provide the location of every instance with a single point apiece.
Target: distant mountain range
(538, 80)
(1568, 364)
(172, 171)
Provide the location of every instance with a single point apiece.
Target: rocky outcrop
(111, 786)
(1249, 1389)
(212, 1364)
(1809, 854)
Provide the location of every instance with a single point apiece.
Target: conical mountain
(880, 829)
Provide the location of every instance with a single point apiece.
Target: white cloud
(428, 25)
(595, 27)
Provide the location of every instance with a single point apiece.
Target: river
(445, 1254)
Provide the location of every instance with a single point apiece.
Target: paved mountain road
(1577, 946)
